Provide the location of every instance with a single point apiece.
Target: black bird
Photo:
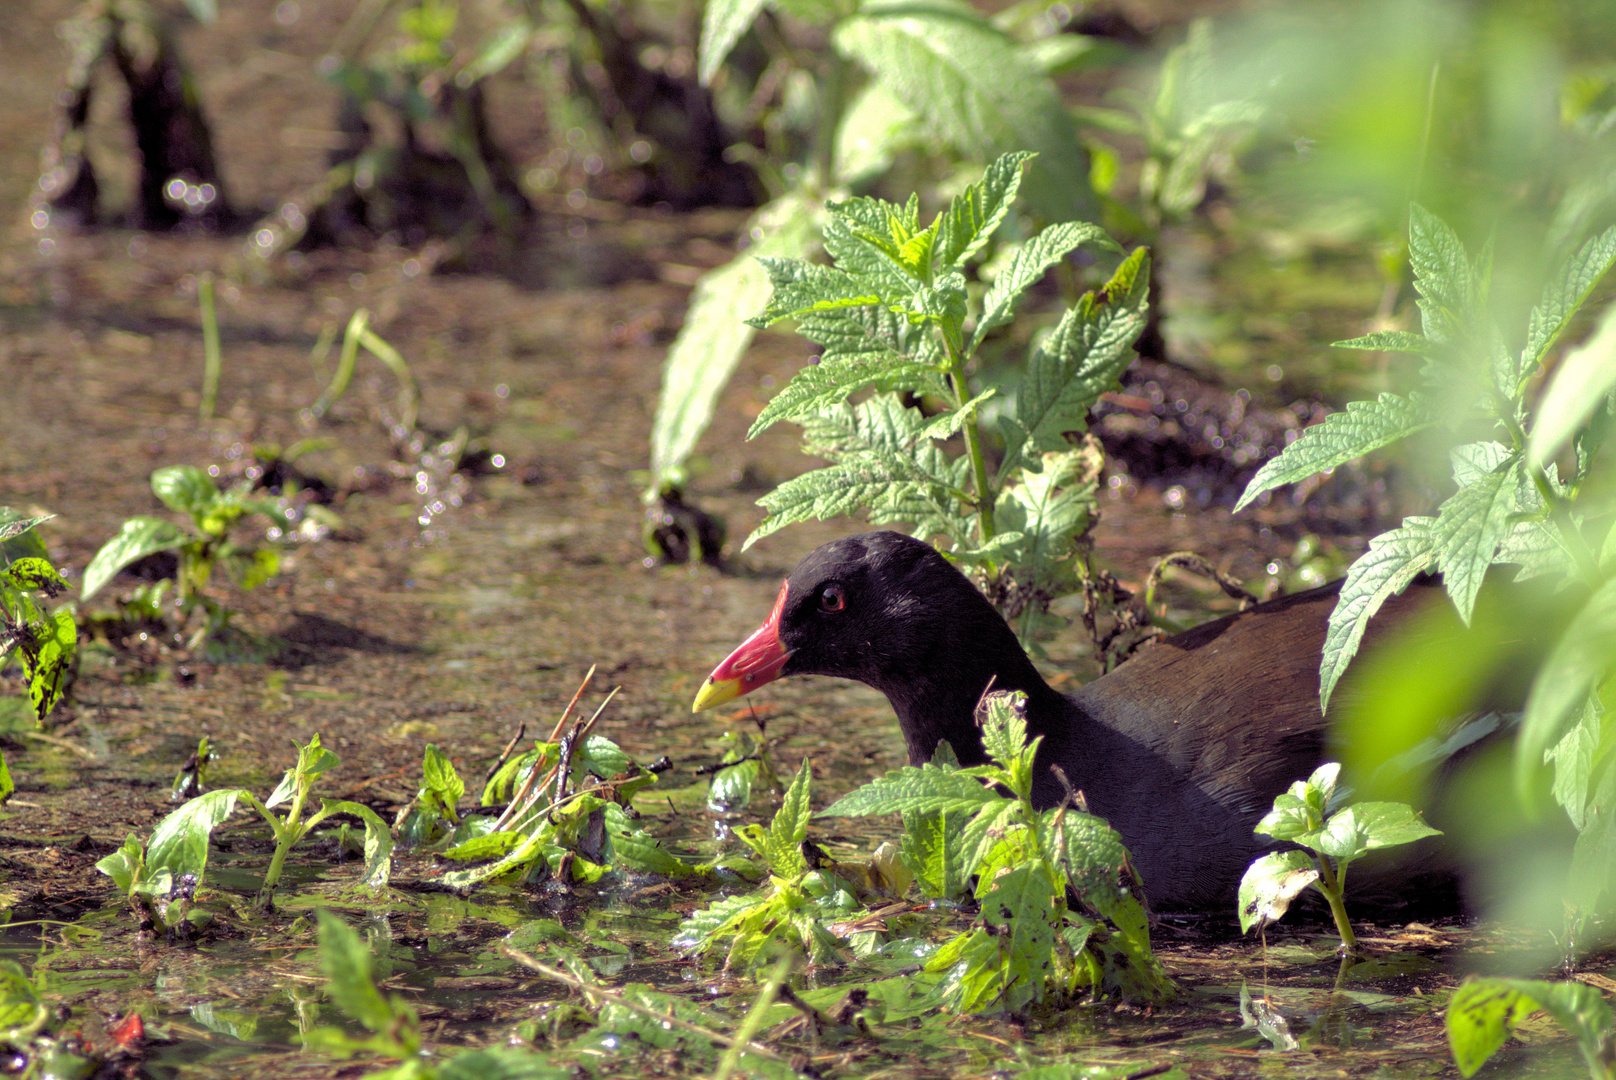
(1182, 748)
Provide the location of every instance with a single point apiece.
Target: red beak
(755, 661)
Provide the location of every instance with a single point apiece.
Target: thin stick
(618, 999)
(556, 731)
(533, 779)
(505, 754)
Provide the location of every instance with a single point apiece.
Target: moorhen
(1182, 748)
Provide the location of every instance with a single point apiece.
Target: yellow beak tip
(715, 693)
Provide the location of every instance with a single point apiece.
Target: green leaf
(1577, 665)
(1565, 296)
(1361, 427)
(180, 841)
(1081, 358)
(714, 336)
(1364, 827)
(790, 826)
(139, 537)
(865, 238)
(438, 777)
(924, 789)
(802, 288)
(933, 851)
(967, 83)
(1299, 810)
(14, 523)
(1031, 261)
(1091, 854)
(976, 213)
(49, 660)
(1047, 511)
(874, 128)
(1468, 529)
(824, 385)
(636, 849)
(1442, 276)
(722, 25)
(876, 463)
(1579, 385)
(1003, 718)
(1388, 341)
(1394, 559)
(32, 575)
(185, 488)
(346, 963)
(1483, 1012)
(1270, 884)
(124, 866)
(378, 840)
(7, 785)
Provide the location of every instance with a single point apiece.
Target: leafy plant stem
(286, 834)
(1570, 535)
(973, 442)
(1331, 882)
(210, 347)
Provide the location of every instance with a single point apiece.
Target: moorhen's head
(892, 613)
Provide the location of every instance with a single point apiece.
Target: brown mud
(397, 633)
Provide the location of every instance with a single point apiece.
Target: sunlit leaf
(1467, 531)
(1579, 386)
(1394, 559)
(722, 24)
(1270, 884)
(140, 536)
(180, 841)
(1564, 296)
(1578, 662)
(1028, 266)
(976, 213)
(1361, 427)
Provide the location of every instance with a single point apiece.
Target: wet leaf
(1270, 884)
(180, 841)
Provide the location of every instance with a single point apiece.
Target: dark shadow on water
(315, 639)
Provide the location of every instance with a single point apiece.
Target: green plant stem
(1570, 535)
(1330, 883)
(210, 346)
(286, 835)
(973, 441)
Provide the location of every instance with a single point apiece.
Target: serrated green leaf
(790, 826)
(1579, 385)
(965, 80)
(923, 789)
(722, 24)
(1361, 427)
(1468, 529)
(1367, 826)
(1388, 341)
(876, 464)
(863, 236)
(977, 212)
(1394, 559)
(1443, 276)
(1083, 357)
(140, 536)
(1028, 266)
(824, 385)
(802, 288)
(1565, 295)
(932, 849)
(1579, 661)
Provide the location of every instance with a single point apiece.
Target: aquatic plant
(1313, 816)
(893, 313)
(45, 641)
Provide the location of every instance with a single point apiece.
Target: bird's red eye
(831, 598)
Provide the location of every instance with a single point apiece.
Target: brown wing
(1192, 697)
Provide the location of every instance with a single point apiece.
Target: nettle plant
(1534, 494)
(894, 314)
(969, 835)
